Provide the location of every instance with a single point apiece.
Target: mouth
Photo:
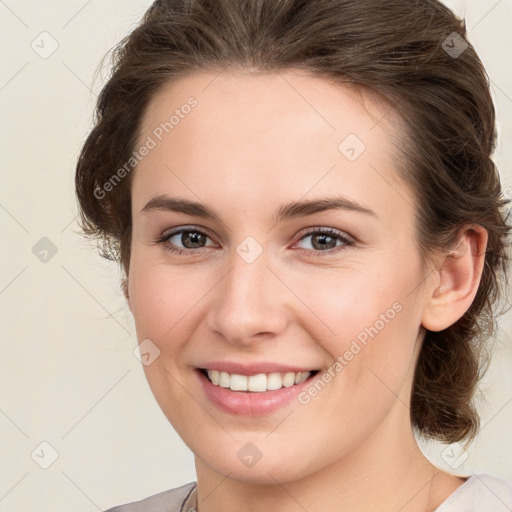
(259, 383)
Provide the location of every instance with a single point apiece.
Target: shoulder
(166, 501)
(480, 491)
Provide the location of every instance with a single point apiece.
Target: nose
(249, 303)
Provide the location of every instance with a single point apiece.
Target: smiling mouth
(256, 383)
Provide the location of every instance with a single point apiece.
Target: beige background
(69, 376)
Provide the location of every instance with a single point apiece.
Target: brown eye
(325, 241)
(185, 241)
(193, 239)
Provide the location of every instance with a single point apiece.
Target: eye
(191, 239)
(324, 242)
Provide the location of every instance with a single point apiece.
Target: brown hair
(403, 50)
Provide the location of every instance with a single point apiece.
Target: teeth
(214, 376)
(274, 381)
(288, 380)
(256, 383)
(238, 382)
(223, 379)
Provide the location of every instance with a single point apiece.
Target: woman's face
(265, 287)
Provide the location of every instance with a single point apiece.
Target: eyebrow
(291, 210)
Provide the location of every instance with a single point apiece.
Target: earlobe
(457, 280)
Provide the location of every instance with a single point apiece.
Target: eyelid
(186, 227)
(325, 229)
(347, 242)
(164, 238)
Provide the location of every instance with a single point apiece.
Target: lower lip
(251, 403)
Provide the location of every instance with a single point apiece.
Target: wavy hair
(416, 55)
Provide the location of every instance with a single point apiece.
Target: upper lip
(253, 368)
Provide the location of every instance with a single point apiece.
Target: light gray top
(481, 492)
(179, 499)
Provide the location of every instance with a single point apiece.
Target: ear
(455, 280)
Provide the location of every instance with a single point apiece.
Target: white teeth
(256, 383)
(301, 377)
(289, 379)
(214, 376)
(238, 382)
(223, 379)
(274, 381)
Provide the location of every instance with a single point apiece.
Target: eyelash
(347, 242)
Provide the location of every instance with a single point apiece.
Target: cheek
(368, 322)
(160, 295)
(344, 304)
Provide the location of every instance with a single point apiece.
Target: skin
(252, 144)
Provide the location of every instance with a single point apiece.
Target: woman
(313, 236)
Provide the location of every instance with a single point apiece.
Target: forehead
(313, 102)
(262, 135)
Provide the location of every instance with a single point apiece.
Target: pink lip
(245, 403)
(252, 368)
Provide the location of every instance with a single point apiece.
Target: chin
(263, 471)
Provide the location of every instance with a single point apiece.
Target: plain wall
(68, 373)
